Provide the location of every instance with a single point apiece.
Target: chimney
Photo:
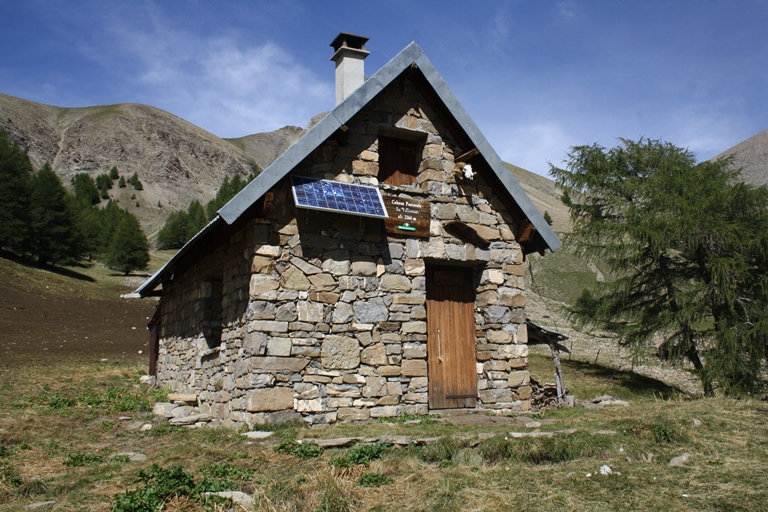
(349, 53)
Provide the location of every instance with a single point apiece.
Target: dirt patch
(53, 322)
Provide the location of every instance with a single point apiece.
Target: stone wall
(323, 315)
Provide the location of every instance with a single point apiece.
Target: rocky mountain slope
(752, 156)
(176, 161)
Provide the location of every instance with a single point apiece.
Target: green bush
(299, 450)
(159, 485)
(370, 479)
(79, 459)
(360, 454)
(222, 477)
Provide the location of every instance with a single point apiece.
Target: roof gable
(411, 56)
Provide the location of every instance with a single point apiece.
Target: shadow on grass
(65, 272)
(632, 382)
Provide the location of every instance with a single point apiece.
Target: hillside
(176, 161)
(752, 156)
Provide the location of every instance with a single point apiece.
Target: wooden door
(451, 359)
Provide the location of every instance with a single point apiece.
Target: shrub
(360, 454)
(159, 485)
(79, 459)
(370, 479)
(299, 450)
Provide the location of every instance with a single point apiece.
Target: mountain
(176, 161)
(752, 156)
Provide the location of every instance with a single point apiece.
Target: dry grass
(728, 453)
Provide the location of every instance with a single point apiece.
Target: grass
(55, 446)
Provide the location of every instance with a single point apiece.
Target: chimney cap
(348, 40)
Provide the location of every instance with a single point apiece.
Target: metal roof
(410, 55)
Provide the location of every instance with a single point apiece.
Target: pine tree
(54, 234)
(121, 182)
(175, 232)
(134, 180)
(86, 191)
(15, 193)
(197, 218)
(547, 217)
(688, 245)
(113, 174)
(129, 248)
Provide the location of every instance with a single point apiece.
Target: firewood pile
(544, 396)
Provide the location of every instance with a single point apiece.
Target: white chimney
(349, 53)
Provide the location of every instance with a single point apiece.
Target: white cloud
(229, 85)
(532, 145)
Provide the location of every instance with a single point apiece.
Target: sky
(538, 77)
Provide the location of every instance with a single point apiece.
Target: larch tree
(688, 247)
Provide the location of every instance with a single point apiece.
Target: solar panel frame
(338, 197)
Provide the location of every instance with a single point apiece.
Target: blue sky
(536, 76)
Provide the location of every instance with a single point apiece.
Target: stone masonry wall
(324, 315)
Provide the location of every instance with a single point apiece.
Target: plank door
(451, 359)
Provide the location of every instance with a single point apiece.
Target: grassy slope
(726, 441)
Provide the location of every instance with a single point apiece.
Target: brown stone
(374, 355)
(350, 414)
(275, 399)
(523, 392)
(262, 265)
(414, 368)
(409, 298)
(323, 282)
(294, 279)
(263, 287)
(325, 297)
(361, 168)
(395, 283)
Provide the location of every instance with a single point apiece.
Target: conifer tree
(129, 248)
(15, 192)
(54, 234)
(86, 191)
(688, 245)
(197, 218)
(175, 232)
(113, 174)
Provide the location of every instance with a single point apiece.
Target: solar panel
(335, 196)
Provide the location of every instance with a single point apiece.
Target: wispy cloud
(229, 85)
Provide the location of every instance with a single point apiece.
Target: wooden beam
(469, 154)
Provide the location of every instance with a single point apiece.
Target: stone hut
(287, 306)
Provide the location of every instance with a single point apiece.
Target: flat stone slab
(39, 504)
(187, 398)
(132, 456)
(257, 434)
(338, 442)
(518, 435)
(397, 440)
(164, 409)
(241, 498)
(191, 419)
